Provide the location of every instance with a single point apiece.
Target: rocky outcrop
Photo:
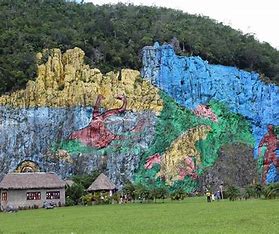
(36, 123)
(235, 166)
(73, 120)
(65, 81)
(191, 81)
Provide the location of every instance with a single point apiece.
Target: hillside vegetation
(112, 37)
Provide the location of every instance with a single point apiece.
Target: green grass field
(193, 215)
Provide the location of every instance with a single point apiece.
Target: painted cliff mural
(196, 85)
(165, 127)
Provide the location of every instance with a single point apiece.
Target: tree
(129, 190)
(161, 193)
(178, 194)
(113, 35)
(74, 194)
(141, 192)
(86, 179)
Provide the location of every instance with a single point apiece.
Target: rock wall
(235, 166)
(193, 82)
(36, 123)
(65, 81)
(165, 130)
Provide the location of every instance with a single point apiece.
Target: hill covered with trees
(112, 37)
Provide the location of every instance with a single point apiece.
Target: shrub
(233, 193)
(259, 190)
(158, 193)
(129, 190)
(74, 193)
(69, 201)
(87, 199)
(116, 197)
(142, 192)
(178, 195)
(271, 191)
(249, 192)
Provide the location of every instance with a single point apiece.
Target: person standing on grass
(212, 197)
(218, 195)
(208, 196)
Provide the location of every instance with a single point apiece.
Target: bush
(69, 202)
(74, 193)
(250, 192)
(129, 190)
(87, 199)
(115, 198)
(178, 195)
(97, 198)
(158, 193)
(142, 192)
(259, 190)
(233, 193)
(271, 191)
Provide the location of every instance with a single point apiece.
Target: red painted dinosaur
(96, 134)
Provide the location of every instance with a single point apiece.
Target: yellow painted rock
(181, 148)
(63, 80)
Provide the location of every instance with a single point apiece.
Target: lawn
(193, 215)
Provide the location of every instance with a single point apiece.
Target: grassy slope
(193, 215)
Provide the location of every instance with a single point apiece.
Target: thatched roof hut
(31, 189)
(35, 180)
(102, 183)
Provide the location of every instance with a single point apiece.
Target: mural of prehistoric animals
(164, 127)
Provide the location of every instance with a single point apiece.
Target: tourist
(218, 195)
(212, 197)
(208, 196)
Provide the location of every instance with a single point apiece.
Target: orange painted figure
(271, 141)
(96, 134)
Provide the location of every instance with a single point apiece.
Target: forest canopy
(112, 37)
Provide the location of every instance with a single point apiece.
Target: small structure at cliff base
(31, 190)
(102, 184)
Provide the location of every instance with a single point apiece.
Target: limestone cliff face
(191, 81)
(194, 83)
(235, 166)
(73, 119)
(36, 122)
(65, 81)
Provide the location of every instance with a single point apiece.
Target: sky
(257, 17)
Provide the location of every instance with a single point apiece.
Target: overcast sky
(250, 16)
